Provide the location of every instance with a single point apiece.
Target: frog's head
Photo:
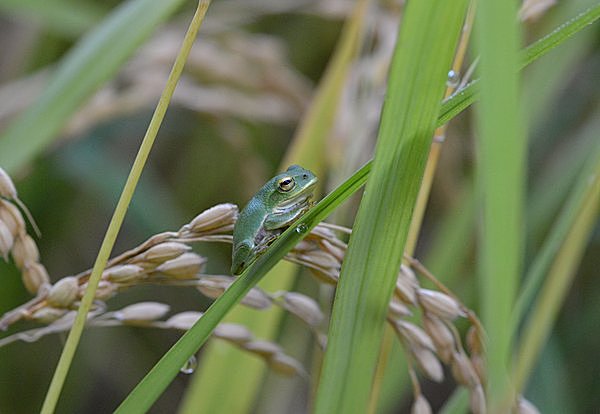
(291, 189)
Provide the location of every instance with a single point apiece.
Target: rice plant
(448, 285)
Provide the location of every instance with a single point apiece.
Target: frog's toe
(240, 258)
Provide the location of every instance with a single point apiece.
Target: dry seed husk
(408, 273)
(285, 365)
(428, 363)
(532, 10)
(184, 320)
(34, 276)
(12, 217)
(421, 406)
(142, 312)
(463, 370)
(215, 286)
(303, 306)
(211, 289)
(165, 251)
(478, 362)
(24, 249)
(214, 218)
(186, 266)
(233, 332)
(48, 314)
(263, 348)
(477, 400)
(6, 240)
(320, 259)
(305, 246)
(398, 309)
(406, 289)
(441, 335)
(64, 292)
(330, 277)
(439, 304)
(105, 290)
(7, 187)
(416, 336)
(257, 299)
(319, 233)
(124, 273)
(335, 251)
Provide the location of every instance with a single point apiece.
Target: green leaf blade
(417, 79)
(501, 179)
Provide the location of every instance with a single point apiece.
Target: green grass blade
(560, 34)
(501, 180)
(423, 55)
(91, 62)
(149, 389)
(582, 212)
(464, 98)
(70, 347)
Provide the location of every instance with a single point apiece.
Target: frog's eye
(286, 184)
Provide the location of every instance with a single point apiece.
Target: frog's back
(250, 221)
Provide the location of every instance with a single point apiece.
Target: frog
(278, 204)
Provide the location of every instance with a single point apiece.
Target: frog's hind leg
(242, 256)
(264, 238)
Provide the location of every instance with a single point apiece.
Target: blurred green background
(247, 84)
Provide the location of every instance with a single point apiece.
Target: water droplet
(453, 79)
(190, 366)
(302, 228)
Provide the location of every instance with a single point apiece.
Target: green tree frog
(280, 202)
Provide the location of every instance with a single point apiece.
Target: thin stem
(68, 353)
(439, 137)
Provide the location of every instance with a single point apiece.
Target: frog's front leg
(282, 220)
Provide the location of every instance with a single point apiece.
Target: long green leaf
(418, 74)
(501, 179)
(154, 383)
(91, 62)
